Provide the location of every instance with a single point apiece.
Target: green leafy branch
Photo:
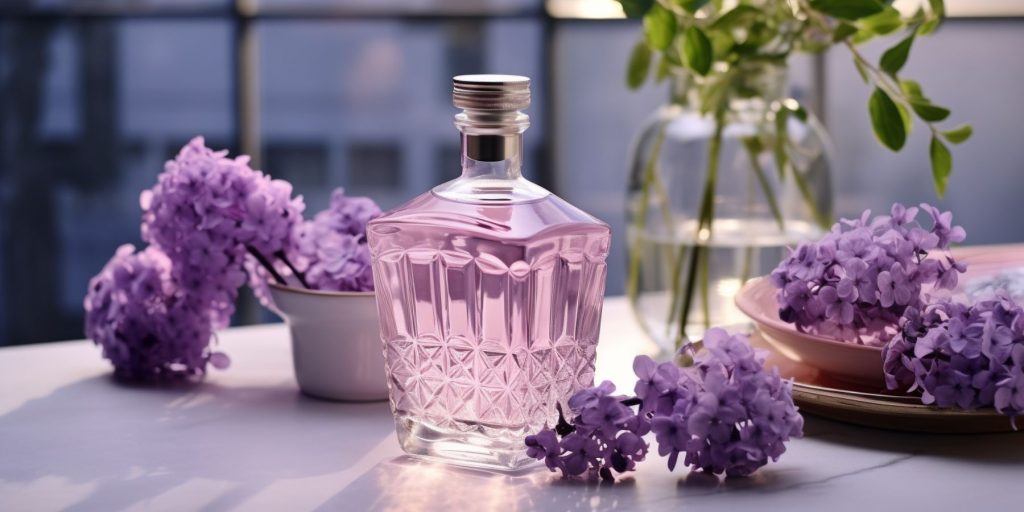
(852, 22)
(710, 45)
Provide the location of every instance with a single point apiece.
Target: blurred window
(95, 95)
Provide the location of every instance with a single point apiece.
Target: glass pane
(93, 109)
(367, 104)
(428, 7)
(115, 6)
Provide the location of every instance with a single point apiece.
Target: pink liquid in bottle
(489, 290)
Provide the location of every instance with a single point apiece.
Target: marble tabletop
(73, 439)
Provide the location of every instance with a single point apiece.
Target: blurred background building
(96, 94)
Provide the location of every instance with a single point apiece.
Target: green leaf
(848, 9)
(928, 27)
(636, 8)
(886, 120)
(741, 15)
(862, 36)
(722, 44)
(894, 58)
(696, 51)
(942, 165)
(659, 27)
(672, 55)
(693, 6)
(639, 65)
(908, 122)
(938, 11)
(663, 71)
(800, 113)
(796, 108)
(885, 22)
(958, 134)
(842, 31)
(912, 89)
(929, 112)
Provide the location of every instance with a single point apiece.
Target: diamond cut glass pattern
(489, 317)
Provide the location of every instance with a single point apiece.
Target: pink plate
(845, 361)
(850, 362)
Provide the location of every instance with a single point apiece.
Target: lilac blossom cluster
(148, 328)
(962, 356)
(210, 220)
(332, 249)
(154, 312)
(604, 435)
(856, 282)
(328, 252)
(725, 413)
(207, 212)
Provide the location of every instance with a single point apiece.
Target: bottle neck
(492, 160)
(492, 156)
(492, 143)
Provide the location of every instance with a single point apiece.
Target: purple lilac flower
(964, 356)
(857, 281)
(544, 446)
(605, 435)
(743, 413)
(154, 312)
(149, 328)
(330, 250)
(725, 414)
(207, 212)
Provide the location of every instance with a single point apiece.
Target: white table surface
(245, 439)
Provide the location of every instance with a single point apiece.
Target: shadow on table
(134, 443)
(398, 483)
(999, 448)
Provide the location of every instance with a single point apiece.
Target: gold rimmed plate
(815, 393)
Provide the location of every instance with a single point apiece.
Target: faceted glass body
(489, 314)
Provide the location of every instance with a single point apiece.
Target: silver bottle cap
(496, 93)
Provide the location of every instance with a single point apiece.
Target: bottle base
(466, 448)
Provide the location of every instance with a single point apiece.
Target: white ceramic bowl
(336, 346)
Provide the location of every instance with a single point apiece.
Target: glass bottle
(489, 289)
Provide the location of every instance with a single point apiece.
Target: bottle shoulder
(527, 219)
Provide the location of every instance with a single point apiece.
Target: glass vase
(715, 198)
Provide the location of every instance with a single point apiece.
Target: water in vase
(490, 291)
(738, 250)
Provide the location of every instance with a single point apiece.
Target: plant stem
(266, 265)
(631, 401)
(704, 226)
(705, 299)
(805, 192)
(748, 263)
(691, 280)
(640, 222)
(300, 275)
(677, 270)
(562, 428)
(751, 146)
